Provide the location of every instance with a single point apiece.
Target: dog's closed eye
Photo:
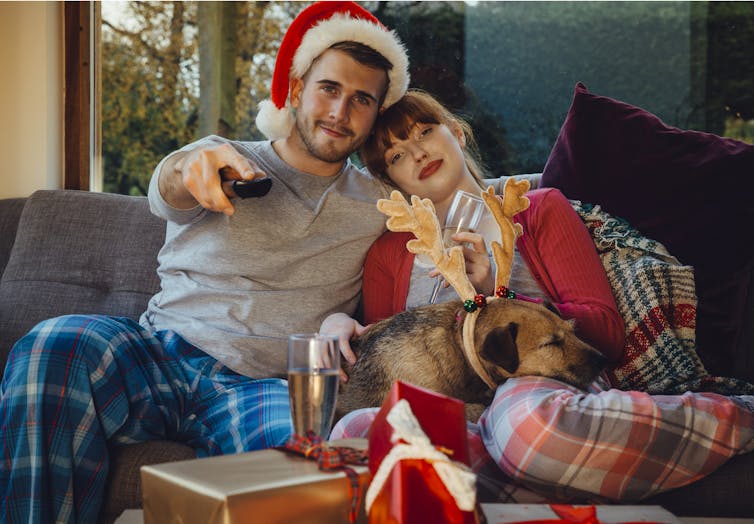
(556, 339)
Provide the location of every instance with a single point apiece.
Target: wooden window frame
(77, 98)
(82, 144)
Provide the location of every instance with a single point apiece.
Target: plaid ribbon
(331, 458)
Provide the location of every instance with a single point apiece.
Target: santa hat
(315, 30)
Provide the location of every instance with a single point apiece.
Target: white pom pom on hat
(312, 32)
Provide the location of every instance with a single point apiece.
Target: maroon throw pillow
(692, 191)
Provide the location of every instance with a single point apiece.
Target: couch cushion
(725, 493)
(79, 252)
(124, 478)
(687, 189)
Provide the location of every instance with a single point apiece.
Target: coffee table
(136, 516)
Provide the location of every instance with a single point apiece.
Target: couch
(67, 252)
(78, 252)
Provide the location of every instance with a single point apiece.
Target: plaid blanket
(656, 296)
(611, 445)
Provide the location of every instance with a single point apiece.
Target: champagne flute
(464, 215)
(313, 374)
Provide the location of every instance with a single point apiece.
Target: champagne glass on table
(464, 215)
(313, 374)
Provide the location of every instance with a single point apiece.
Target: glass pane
(152, 78)
(509, 67)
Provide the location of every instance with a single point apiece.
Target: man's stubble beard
(323, 153)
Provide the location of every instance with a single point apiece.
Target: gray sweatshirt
(236, 287)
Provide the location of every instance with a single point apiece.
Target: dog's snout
(597, 359)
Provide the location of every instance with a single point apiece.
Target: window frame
(81, 137)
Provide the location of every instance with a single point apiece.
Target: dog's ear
(549, 305)
(499, 347)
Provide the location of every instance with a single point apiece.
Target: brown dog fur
(423, 346)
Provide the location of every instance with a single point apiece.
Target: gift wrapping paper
(413, 493)
(269, 486)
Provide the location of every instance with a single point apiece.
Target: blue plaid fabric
(76, 384)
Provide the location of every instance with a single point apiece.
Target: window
(174, 71)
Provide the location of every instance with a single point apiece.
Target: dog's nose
(597, 359)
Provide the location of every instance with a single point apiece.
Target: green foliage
(261, 28)
(740, 129)
(149, 95)
(150, 82)
(730, 58)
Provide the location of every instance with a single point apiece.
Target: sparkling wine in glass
(464, 215)
(313, 374)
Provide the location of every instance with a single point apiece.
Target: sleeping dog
(423, 346)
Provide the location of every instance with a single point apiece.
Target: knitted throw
(656, 296)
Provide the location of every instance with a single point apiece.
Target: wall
(31, 97)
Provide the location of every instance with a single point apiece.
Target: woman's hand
(345, 328)
(478, 266)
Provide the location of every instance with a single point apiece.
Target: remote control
(252, 188)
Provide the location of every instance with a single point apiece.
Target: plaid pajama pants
(76, 384)
(542, 440)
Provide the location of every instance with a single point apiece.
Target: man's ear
(297, 85)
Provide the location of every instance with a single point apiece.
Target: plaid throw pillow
(656, 296)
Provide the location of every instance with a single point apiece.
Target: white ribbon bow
(457, 477)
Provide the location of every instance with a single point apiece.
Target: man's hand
(345, 328)
(204, 176)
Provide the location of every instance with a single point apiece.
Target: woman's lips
(430, 169)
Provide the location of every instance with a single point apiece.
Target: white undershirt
(421, 285)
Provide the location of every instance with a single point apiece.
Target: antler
(420, 219)
(503, 210)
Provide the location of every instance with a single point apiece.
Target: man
(204, 365)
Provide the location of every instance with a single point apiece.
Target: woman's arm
(562, 258)
(387, 272)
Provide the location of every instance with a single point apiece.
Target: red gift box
(416, 489)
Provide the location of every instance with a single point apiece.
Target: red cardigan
(557, 249)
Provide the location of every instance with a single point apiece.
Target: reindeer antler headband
(420, 219)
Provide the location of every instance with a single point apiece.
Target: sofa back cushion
(78, 252)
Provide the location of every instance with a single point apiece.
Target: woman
(422, 149)
(560, 441)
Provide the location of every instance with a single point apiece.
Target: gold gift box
(268, 486)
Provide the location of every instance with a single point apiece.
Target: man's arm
(171, 185)
(196, 176)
